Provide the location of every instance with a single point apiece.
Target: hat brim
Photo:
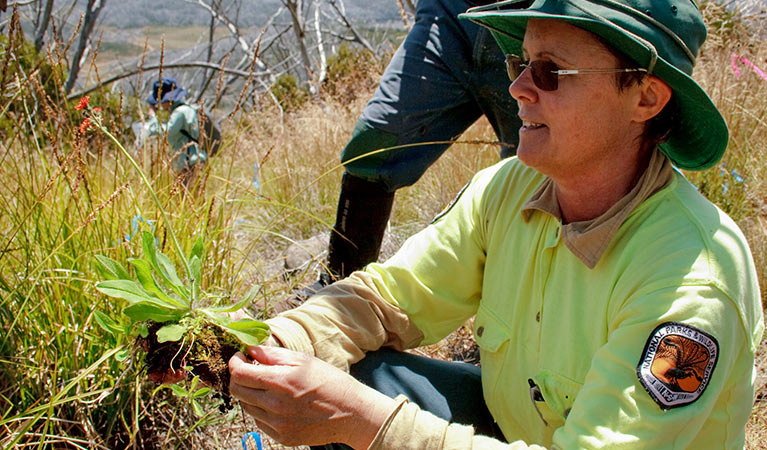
(700, 138)
(176, 95)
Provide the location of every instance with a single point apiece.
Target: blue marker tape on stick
(251, 440)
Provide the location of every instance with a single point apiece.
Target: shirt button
(480, 331)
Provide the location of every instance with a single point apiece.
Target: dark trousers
(449, 390)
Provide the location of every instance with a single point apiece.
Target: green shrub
(288, 93)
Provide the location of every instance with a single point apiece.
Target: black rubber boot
(363, 212)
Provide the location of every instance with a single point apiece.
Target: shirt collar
(589, 239)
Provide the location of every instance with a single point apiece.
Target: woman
(614, 305)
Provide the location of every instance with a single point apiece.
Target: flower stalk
(92, 120)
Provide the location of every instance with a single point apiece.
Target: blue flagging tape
(251, 438)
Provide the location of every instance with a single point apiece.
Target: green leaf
(141, 312)
(163, 266)
(143, 330)
(168, 271)
(178, 390)
(135, 293)
(125, 289)
(248, 331)
(201, 392)
(193, 384)
(197, 408)
(171, 333)
(196, 249)
(239, 305)
(109, 269)
(144, 275)
(196, 265)
(122, 355)
(106, 322)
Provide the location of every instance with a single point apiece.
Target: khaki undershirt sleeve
(410, 428)
(349, 318)
(343, 321)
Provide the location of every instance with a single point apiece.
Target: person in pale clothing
(182, 128)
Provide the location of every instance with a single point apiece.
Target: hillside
(141, 13)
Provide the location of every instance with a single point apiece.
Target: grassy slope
(66, 197)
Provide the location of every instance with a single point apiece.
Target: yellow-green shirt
(582, 311)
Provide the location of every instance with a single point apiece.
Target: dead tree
(340, 10)
(92, 11)
(44, 19)
(297, 10)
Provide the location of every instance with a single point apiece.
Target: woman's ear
(654, 94)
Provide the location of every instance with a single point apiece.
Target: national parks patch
(677, 363)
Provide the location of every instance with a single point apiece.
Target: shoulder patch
(450, 206)
(677, 363)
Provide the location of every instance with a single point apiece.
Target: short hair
(658, 128)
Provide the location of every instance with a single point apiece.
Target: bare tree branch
(342, 14)
(296, 10)
(207, 75)
(320, 46)
(91, 14)
(219, 68)
(233, 29)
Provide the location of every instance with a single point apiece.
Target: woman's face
(586, 123)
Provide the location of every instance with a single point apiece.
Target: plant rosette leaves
(171, 333)
(156, 293)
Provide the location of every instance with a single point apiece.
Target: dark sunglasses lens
(544, 72)
(544, 75)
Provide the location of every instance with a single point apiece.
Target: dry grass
(69, 187)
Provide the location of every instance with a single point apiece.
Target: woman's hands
(300, 400)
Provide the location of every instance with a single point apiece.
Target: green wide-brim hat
(663, 36)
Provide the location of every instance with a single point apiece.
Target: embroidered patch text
(677, 363)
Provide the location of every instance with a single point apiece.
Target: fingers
(255, 402)
(275, 356)
(270, 342)
(255, 376)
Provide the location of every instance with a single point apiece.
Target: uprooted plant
(175, 322)
(176, 335)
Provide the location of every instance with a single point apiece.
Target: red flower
(83, 103)
(85, 125)
(96, 109)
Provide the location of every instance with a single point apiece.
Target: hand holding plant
(175, 333)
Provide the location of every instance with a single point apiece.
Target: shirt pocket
(493, 340)
(489, 332)
(558, 394)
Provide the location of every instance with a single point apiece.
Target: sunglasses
(546, 73)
